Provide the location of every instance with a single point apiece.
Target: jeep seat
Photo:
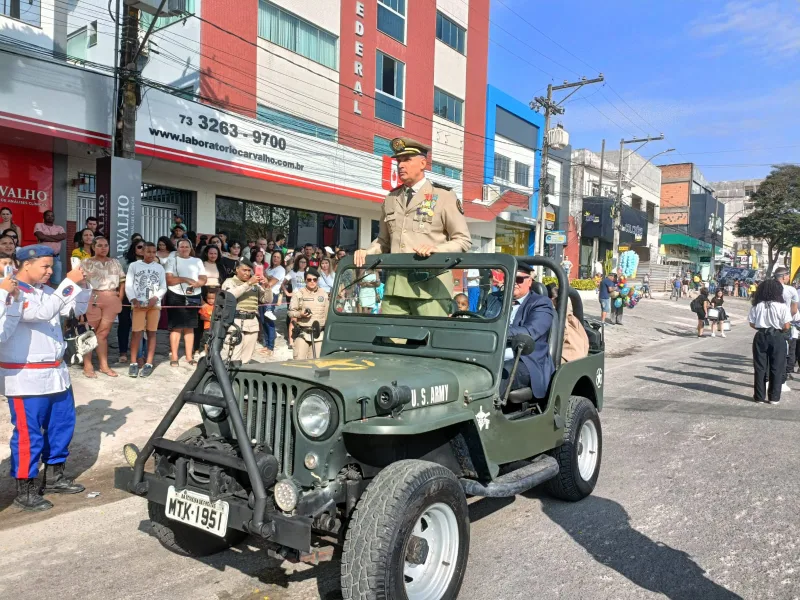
(521, 395)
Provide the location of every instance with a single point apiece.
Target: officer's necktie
(409, 195)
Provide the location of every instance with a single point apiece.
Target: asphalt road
(696, 501)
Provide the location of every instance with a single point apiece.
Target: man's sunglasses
(311, 278)
(520, 279)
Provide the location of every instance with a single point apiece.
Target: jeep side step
(542, 468)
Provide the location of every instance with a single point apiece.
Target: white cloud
(770, 28)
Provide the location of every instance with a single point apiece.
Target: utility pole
(617, 212)
(125, 134)
(714, 240)
(550, 108)
(596, 241)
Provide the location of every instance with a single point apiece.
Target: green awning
(680, 239)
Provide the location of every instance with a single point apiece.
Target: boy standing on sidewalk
(145, 285)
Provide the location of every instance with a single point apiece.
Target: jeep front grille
(267, 408)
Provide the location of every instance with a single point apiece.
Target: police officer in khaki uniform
(420, 217)
(308, 304)
(250, 291)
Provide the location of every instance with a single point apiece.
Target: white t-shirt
(326, 281)
(473, 277)
(145, 280)
(190, 267)
(789, 296)
(296, 278)
(770, 314)
(278, 273)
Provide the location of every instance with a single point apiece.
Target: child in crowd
(209, 297)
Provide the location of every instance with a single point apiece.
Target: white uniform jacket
(31, 358)
(10, 313)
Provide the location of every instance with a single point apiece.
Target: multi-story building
(590, 220)
(736, 196)
(691, 217)
(255, 117)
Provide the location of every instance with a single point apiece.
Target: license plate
(197, 510)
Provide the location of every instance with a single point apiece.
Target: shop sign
(119, 190)
(358, 65)
(556, 237)
(26, 187)
(674, 251)
(549, 218)
(624, 248)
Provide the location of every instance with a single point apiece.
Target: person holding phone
(309, 304)
(250, 290)
(185, 276)
(274, 276)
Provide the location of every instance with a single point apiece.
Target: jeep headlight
(317, 415)
(213, 388)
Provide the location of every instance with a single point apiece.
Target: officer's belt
(309, 329)
(42, 365)
(245, 315)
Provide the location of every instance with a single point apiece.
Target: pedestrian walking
(791, 299)
(423, 218)
(676, 288)
(717, 314)
(35, 379)
(771, 318)
(607, 286)
(700, 307)
(250, 291)
(646, 286)
(309, 304)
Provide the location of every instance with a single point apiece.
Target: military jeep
(376, 444)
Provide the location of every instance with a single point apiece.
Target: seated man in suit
(531, 314)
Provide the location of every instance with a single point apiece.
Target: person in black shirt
(717, 302)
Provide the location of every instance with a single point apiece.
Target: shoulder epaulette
(440, 186)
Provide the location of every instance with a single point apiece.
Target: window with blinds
(293, 33)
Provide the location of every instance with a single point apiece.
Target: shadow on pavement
(602, 527)
(697, 387)
(678, 332)
(93, 419)
(698, 374)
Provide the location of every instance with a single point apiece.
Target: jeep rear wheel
(580, 455)
(189, 541)
(409, 535)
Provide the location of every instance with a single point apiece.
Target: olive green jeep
(376, 444)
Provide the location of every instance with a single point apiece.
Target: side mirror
(522, 342)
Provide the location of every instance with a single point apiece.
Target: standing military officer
(420, 217)
(308, 304)
(36, 380)
(250, 292)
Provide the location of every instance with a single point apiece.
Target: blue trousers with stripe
(474, 296)
(43, 428)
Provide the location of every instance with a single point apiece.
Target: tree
(776, 214)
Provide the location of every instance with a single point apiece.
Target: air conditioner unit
(172, 8)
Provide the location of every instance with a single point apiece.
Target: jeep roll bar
(556, 339)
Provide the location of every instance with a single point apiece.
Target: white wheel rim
(588, 446)
(438, 526)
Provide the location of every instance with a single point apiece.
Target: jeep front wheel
(580, 455)
(409, 535)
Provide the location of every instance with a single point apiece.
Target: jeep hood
(354, 375)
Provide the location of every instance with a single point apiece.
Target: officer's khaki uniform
(317, 301)
(433, 217)
(248, 298)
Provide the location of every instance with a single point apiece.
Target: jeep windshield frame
(475, 341)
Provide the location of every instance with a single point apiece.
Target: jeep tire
(580, 455)
(409, 535)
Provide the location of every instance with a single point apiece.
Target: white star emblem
(598, 379)
(483, 419)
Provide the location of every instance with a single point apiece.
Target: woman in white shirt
(770, 317)
(186, 275)
(215, 270)
(326, 275)
(275, 275)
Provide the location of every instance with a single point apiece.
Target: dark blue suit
(534, 318)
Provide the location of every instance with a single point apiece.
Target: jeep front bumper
(290, 532)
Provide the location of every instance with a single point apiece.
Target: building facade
(590, 215)
(255, 118)
(736, 196)
(691, 218)
(512, 168)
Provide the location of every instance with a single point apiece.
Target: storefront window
(248, 221)
(512, 240)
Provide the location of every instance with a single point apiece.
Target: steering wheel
(467, 313)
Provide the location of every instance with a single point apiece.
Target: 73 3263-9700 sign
(197, 510)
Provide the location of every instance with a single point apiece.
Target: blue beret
(34, 251)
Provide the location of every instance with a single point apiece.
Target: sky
(720, 79)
